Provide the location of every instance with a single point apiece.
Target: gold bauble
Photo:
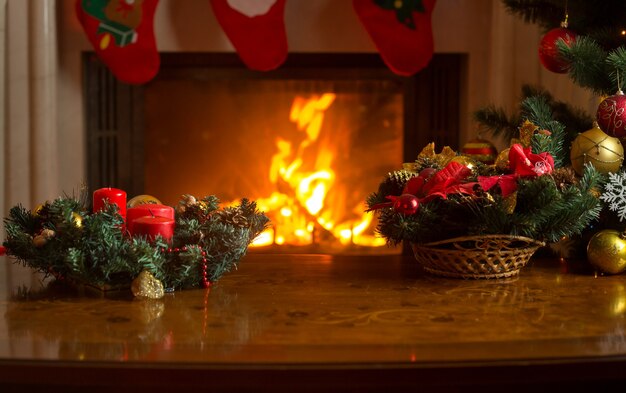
(606, 251)
(604, 152)
(145, 285)
(77, 219)
(480, 150)
(142, 200)
(502, 161)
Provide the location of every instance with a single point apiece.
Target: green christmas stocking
(401, 30)
(122, 34)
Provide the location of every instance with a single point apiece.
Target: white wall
(502, 53)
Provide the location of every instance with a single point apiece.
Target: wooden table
(318, 323)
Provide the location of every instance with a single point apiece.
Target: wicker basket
(488, 256)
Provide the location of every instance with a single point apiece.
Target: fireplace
(308, 141)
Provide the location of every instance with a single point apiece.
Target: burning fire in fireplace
(308, 204)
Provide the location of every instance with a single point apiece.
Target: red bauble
(549, 53)
(611, 115)
(427, 173)
(3, 251)
(406, 204)
(480, 150)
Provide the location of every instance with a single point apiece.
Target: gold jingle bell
(604, 152)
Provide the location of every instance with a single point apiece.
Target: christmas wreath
(63, 238)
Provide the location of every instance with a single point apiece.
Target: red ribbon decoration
(507, 183)
(523, 163)
(444, 182)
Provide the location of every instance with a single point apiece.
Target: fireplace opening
(308, 141)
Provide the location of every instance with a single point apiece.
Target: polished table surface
(319, 322)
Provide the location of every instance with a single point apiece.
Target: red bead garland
(204, 282)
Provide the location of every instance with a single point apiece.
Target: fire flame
(298, 208)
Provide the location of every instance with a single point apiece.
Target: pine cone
(234, 216)
(394, 182)
(564, 177)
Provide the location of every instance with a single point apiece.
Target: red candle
(151, 209)
(112, 195)
(150, 227)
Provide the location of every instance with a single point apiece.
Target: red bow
(444, 182)
(507, 183)
(523, 163)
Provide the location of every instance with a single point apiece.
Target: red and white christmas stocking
(401, 30)
(256, 28)
(122, 34)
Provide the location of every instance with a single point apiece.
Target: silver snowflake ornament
(615, 194)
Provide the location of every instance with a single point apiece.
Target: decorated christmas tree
(585, 40)
(560, 178)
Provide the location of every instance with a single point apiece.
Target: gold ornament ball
(502, 161)
(606, 251)
(142, 200)
(604, 152)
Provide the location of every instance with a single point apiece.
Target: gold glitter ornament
(593, 146)
(606, 251)
(442, 159)
(143, 200)
(502, 161)
(145, 285)
(526, 132)
(77, 219)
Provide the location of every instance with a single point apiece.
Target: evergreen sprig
(539, 113)
(602, 21)
(497, 122)
(92, 248)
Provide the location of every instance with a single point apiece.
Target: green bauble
(394, 182)
(606, 251)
